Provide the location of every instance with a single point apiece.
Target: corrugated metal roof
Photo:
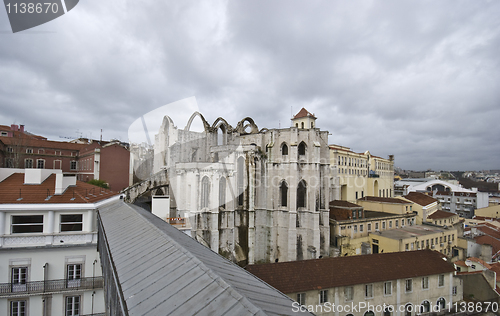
(162, 271)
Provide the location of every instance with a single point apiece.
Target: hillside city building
(49, 264)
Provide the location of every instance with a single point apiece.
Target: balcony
(51, 286)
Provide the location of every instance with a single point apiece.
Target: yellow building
(424, 205)
(443, 218)
(356, 175)
(414, 238)
(350, 227)
(491, 211)
(388, 205)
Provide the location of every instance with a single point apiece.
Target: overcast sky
(417, 79)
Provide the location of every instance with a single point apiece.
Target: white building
(252, 195)
(453, 198)
(49, 264)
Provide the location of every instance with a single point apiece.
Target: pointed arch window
(301, 194)
(205, 192)
(241, 179)
(283, 194)
(302, 149)
(284, 149)
(222, 192)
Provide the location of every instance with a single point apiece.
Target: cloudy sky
(417, 79)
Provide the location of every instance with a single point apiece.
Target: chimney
(14, 127)
(21, 128)
(63, 181)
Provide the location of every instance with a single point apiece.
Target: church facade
(251, 195)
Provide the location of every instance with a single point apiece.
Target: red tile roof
(304, 113)
(384, 200)
(40, 143)
(340, 214)
(441, 214)
(489, 230)
(420, 198)
(344, 204)
(298, 276)
(480, 261)
(488, 240)
(13, 187)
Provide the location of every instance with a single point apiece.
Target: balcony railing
(51, 286)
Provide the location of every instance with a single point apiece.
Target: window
(425, 283)
(283, 194)
(369, 227)
(388, 288)
(301, 298)
(205, 192)
(301, 194)
(323, 296)
(408, 309)
(368, 290)
(407, 247)
(73, 275)
(390, 224)
(10, 150)
(302, 149)
(19, 277)
(361, 228)
(18, 308)
(29, 150)
(441, 302)
(360, 214)
(284, 149)
(441, 280)
(408, 285)
(28, 163)
(376, 226)
(9, 163)
(454, 290)
(22, 224)
(72, 165)
(425, 307)
(71, 223)
(241, 180)
(348, 293)
(72, 306)
(403, 222)
(355, 228)
(397, 223)
(222, 192)
(383, 225)
(354, 214)
(40, 163)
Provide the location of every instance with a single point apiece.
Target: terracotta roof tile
(303, 113)
(384, 200)
(13, 187)
(420, 198)
(344, 204)
(441, 214)
(480, 261)
(488, 240)
(298, 276)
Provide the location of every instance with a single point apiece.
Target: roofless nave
(259, 195)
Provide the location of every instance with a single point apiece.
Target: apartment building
(350, 226)
(356, 175)
(88, 159)
(400, 283)
(49, 264)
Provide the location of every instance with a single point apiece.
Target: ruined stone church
(251, 195)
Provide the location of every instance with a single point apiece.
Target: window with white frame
(28, 163)
(73, 274)
(29, 150)
(425, 283)
(368, 290)
(388, 288)
(72, 307)
(23, 224)
(369, 227)
(323, 296)
(408, 285)
(454, 290)
(18, 308)
(18, 278)
(72, 165)
(10, 149)
(441, 280)
(348, 293)
(71, 222)
(40, 163)
(301, 298)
